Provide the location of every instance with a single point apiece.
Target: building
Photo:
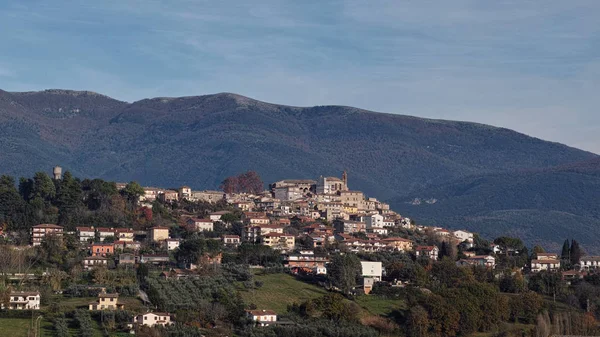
(306, 259)
(545, 261)
(371, 273)
(153, 318)
(349, 226)
(200, 224)
(184, 192)
(169, 196)
(208, 196)
(589, 262)
(304, 185)
(106, 302)
(39, 232)
(94, 261)
(86, 234)
(124, 234)
(158, 233)
(23, 300)
(329, 185)
(102, 249)
(231, 240)
(171, 244)
(279, 240)
(253, 233)
(127, 259)
(353, 199)
(262, 317)
(288, 193)
(216, 216)
(398, 244)
(151, 193)
(431, 252)
(487, 261)
(462, 235)
(157, 259)
(104, 232)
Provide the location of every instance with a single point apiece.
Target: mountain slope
(541, 206)
(200, 140)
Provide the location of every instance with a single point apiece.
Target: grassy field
(18, 327)
(379, 306)
(279, 290)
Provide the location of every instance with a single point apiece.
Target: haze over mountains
(492, 180)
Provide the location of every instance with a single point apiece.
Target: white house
(201, 224)
(463, 235)
(545, 264)
(152, 319)
(431, 252)
(589, 262)
(216, 216)
(371, 273)
(94, 261)
(171, 244)
(262, 317)
(85, 234)
(23, 301)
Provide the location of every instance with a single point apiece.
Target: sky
(531, 66)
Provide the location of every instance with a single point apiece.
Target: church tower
(345, 179)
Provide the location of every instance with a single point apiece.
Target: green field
(18, 327)
(72, 303)
(376, 305)
(279, 290)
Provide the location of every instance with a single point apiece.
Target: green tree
(12, 206)
(343, 270)
(68, 199)
(576, 252)
(132, 193)
(61, 327)
(566, 251)
(417, 322)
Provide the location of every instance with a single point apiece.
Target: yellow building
(107, 302)
(279, 240)
(159, 233)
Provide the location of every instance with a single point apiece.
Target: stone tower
(57, 171)
(345, 179)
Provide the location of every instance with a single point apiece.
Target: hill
(541, 206)
(200, 140)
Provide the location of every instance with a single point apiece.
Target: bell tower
(345, 179)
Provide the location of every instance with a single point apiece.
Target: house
(544, 264)
(571, 275)
(179, 274)
(200, 224)
(374, 222)
(185, 192)
(306, 259)
(398, 244)
(153, 318)
(124, 234)
(371, 273)
(349, 226)
(94, 261)
(231, 240)
(151, 193)
(216, 216)
(253, 233)
(104, 232)
(462, 235)
(353, 199)
(106, 302)
(279, 240)
(122, 245)
(168, 196)
(102, 249)
(430, 252)
(157, 259)
(39, 232)
(547, 256)
(589, 262)
(256, 220)
(171, 244)
(85, 234)
(487, 261)
(262, 317)
(20, 300)
(127, 259)
(208, 196)
(158, 233)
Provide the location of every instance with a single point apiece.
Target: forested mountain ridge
(200, 140)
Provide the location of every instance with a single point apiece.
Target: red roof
(46, 225)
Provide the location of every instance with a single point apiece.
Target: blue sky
(532, 66)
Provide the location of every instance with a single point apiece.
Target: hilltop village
(162, 267)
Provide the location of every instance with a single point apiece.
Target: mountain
(541, 206)
(202, 139)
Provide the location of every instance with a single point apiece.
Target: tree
(12, 206)
(230, 185)
(249, 182)
(61, 327)
(132, 193)
(343, 270)
(68, 199)
(566, 251)
(418, 322)
(576, 252)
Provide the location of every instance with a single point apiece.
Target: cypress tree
(566, 251)
(576, 252)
